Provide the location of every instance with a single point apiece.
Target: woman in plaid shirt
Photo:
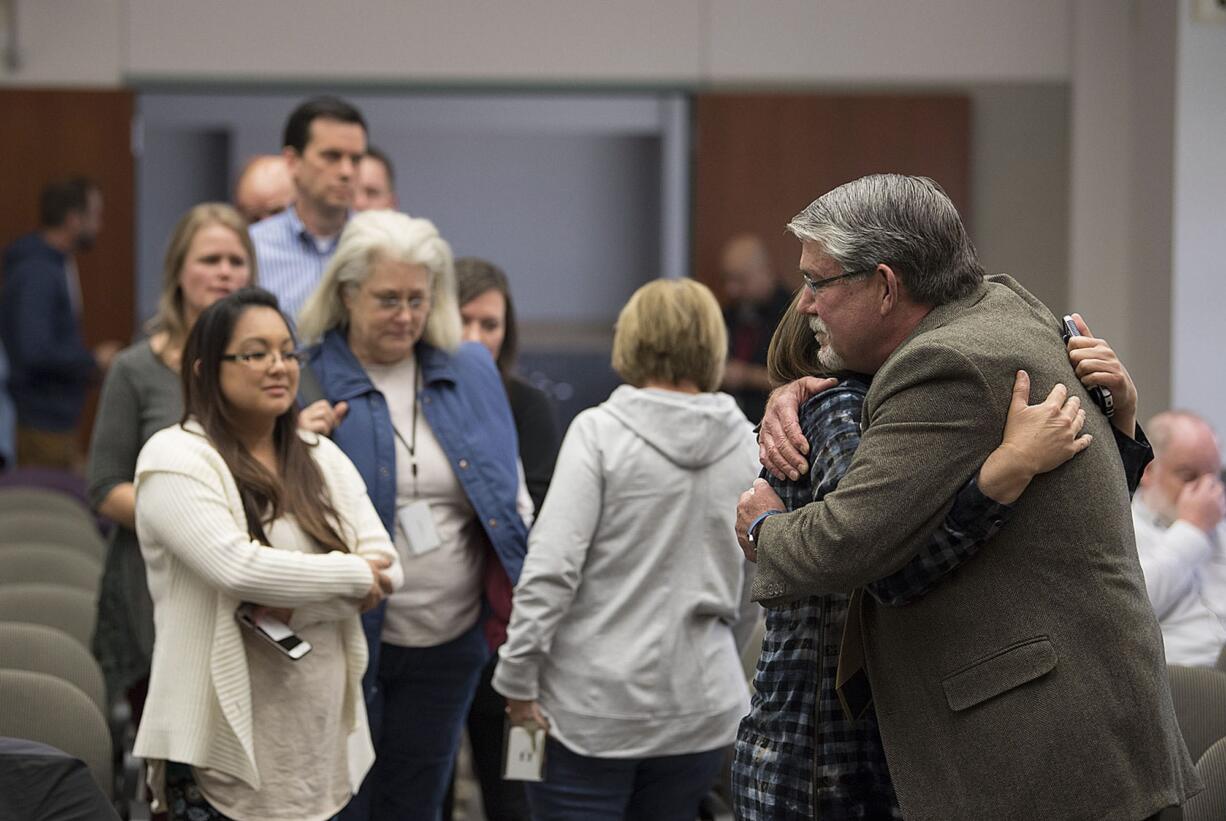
(800, 753)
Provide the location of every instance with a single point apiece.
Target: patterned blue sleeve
(831, 423)
(973, 520)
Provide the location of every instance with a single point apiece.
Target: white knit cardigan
(202, 565)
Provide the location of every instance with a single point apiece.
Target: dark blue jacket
(465, 403)
(50, 367)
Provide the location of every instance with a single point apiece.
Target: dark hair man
(324, 141)
(376, 182)
(1030, 683)
(40, 325)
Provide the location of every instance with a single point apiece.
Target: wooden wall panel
(55, 134)
(761, 158)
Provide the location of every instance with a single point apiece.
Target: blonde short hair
(671, 331)
(171, 316)
(372, 236)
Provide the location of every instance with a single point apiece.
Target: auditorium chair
(64, 608)
(38, 499)
(37, 648)
(49, 564)
(47, 709)
(35, 526)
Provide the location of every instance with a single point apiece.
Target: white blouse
(201, 566)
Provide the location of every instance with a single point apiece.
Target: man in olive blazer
(1031, 682)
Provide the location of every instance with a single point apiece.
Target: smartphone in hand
(272, 630)
(1101, 396)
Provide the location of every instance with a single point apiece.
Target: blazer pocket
(1000, 672)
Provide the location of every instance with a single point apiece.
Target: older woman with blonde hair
(431, 433)
(209, 255)
(621, 639)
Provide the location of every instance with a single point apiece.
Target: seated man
(1177, 515)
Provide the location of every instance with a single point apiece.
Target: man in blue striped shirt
(325, 139)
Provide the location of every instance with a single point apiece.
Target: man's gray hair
(908, 223)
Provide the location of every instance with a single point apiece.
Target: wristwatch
(752, 533)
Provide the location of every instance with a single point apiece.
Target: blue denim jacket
(465, 403)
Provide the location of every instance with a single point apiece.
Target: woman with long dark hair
(240, 512)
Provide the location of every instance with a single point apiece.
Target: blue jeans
(585, 788)
(425, 694)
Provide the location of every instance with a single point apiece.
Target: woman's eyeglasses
(257, 360)
(393, 302)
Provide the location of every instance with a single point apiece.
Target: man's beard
(827, 357)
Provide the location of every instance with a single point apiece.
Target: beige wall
(1106, 250)
(555, 42)
(1199, 282)
(1151, 173)
(65, 43)
(1019, 220)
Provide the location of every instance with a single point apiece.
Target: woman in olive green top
(209, 256)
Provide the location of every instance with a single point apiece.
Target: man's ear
(196, 368)
(1149, 476)
(891, 288)
(292, 158)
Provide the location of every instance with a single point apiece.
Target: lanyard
(411, 445)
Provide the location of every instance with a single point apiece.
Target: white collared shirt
(1185, 576)
(291, 260)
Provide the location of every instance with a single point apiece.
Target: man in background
(325, 139)
(265, 188)
(40, 325)
(1177, 515)
(756, 302)
(376, 182)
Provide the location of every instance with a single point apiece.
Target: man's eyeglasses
(815, 285)
(258, 360)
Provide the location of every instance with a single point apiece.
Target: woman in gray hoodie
(621, 640)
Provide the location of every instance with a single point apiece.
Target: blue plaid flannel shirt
(797, 754)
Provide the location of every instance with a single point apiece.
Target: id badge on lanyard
(418, 526)
(414, 517)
